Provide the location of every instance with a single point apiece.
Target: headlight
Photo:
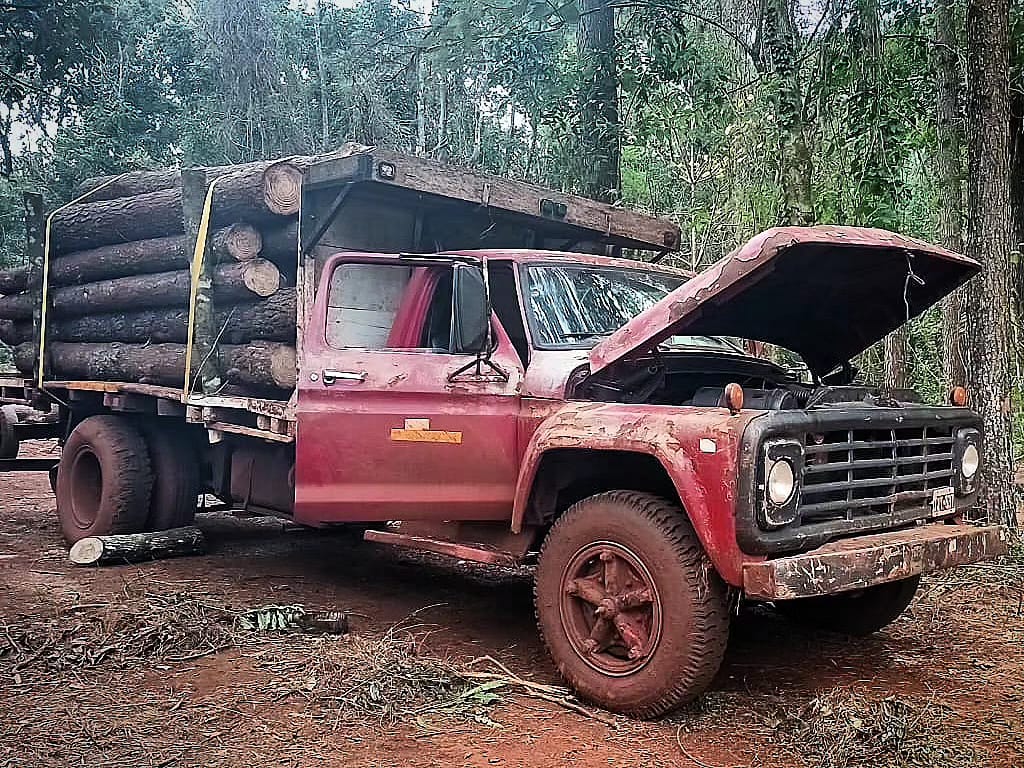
(970, 461)
(782, 466)
(967, 451)
(781, 482)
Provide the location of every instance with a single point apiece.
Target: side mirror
(471, 311)
(471, 322)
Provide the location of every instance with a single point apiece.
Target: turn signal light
(958, 397)
(734, 397)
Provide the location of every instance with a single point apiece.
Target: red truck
(590, 414)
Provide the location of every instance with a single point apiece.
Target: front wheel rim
(610, 608)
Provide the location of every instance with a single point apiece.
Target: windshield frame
(588, 343)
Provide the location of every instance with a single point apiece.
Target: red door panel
(390, 434)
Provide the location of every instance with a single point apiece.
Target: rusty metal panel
(825, 292)
(864, 561)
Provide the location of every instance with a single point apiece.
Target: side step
(476, 553)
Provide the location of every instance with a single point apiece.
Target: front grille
(855, 473)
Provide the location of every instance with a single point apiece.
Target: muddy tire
(853, 613)
(628, 604)
(103, 479)
(176, 477)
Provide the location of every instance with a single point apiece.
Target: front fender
(697, 447)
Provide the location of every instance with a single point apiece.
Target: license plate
(942, 501)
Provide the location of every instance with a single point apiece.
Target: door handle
(329, 376)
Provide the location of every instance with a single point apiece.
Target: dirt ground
(942, 686)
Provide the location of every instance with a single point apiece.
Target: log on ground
(138, 547)
(234, 282)
(264, 364)
(272, 319)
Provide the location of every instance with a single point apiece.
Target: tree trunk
(138, 547)
(272, 319)
(779, 56)
(15, 280)
(261, 364)
(949, 182)
(599, 100)
(90, 225)
(231, 282)
(325, 120)
(895, 364)
(989, 240)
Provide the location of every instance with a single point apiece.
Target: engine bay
(699, 379)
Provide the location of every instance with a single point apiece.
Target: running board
(475, 553)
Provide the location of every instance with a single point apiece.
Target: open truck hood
(826, 293)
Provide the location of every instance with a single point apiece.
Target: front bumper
(863, 561)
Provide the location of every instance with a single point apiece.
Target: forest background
(727, 116)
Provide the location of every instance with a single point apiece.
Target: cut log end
(261, 277)
(242, 241)
(87, 551)
(282, 188)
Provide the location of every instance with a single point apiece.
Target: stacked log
(119, 279)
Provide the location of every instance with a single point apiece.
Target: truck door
(395, 420)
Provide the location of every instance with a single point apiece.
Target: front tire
(103, 479)
(630, 608)
(856, 613)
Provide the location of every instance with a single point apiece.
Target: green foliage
(104, 86)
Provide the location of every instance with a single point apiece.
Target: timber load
(119, 278)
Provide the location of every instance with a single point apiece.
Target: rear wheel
(103, 479)
(856, 613)
(176, 477)
(629, 606)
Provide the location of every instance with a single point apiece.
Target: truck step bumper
(864, 561)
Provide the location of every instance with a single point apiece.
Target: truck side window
(390, 306)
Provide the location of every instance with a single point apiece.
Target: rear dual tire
(114, 477)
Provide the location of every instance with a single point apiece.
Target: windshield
(575, 306)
